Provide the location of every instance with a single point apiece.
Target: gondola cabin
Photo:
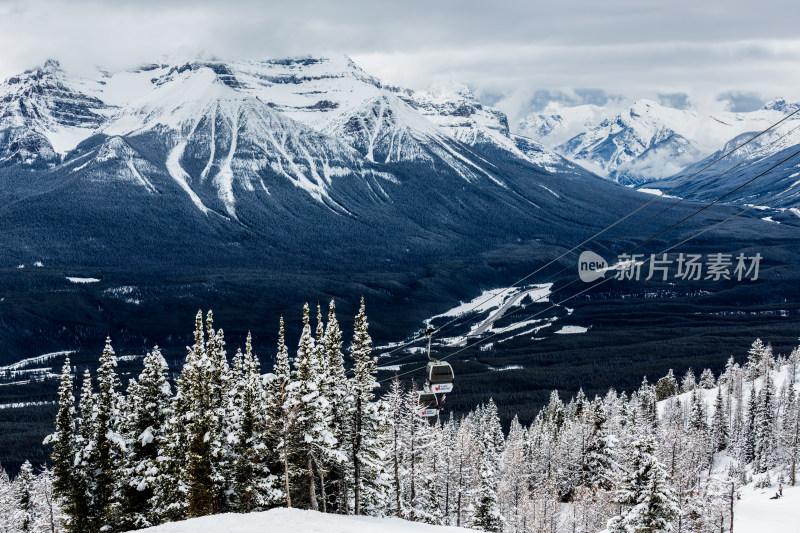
(428, 404)
(439, 377)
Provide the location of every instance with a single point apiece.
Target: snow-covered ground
(756, 513)
(297, 521)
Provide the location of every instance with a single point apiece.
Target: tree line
(226, 438)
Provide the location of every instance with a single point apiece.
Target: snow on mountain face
(218, 136)
(645, 141)
(310, 120)
(748, 161)
(44, 113)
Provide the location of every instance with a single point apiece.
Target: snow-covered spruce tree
(24, 498)
(143, 427)
(312, 414)
(195, 421)
(666, 386)
(513, 479)
(336, 389)
(254, 485)
(66, 484)
(697, 412)
(647, 403)
(748, 444)
(600, 464)
(394, 402)
(754, 358)
(688, 383)
(107, 441)
(334, 455)
(649, 504)
(487, 511)
(719, 424)
(765, 453)
(222, 458)
(280, 411)
(369, 424)
(707, 380)
(84, 470)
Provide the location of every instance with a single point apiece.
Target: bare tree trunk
(323, 495)
(397, 469)
(733, 497)
(286, 469)
(312, 489)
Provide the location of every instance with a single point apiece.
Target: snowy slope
(756, 513)
(44, 113)
(297, 521)
(758, 156)
(228, 137)
(644, 141)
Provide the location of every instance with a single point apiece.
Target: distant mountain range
(648, 142)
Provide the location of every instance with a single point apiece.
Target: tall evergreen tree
(107, 441)
(143, 427)
(719, 424)
(280, 409)
(312, 414)
(24, 498)
(649, 504)
(336, 389)
(67, 485)
(369, 421)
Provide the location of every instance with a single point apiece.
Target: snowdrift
(297, 521)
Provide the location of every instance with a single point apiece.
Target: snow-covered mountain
(44, 113)
(645, 141)
(219, 125)
(751, 160)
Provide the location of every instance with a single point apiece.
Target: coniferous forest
(313, 433)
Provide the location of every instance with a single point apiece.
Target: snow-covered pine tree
(513, 479)
(84, 472)
(649, 504)
(765, 453)
(24, 499)
(336, 389)
(697, 412)
(254, 485)
(107, 441)
(394, 400)
(707, 380)
(719, 424)
(143, 427)
(754, 357)
(66, 484)
(600, 464)
(688, 383)
(280, 411)
(666, 386)
(369, 424)
(647, 403)
(195, 419)
(487, 511)
(312, 413)
(222, 458)
(49, 514)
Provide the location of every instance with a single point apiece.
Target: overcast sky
(517, 55)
